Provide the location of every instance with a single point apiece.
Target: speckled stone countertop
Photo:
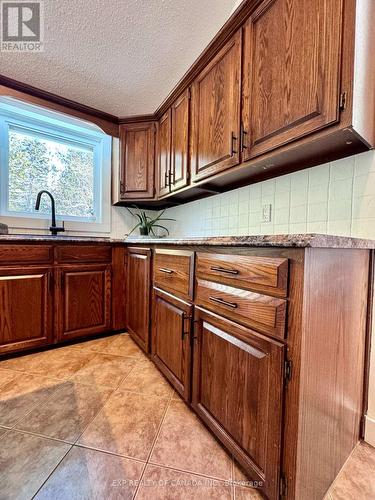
(50, 239)
(275, 240)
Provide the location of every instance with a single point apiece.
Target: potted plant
(146, 224)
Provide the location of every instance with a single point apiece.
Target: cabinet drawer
(26, 254)
(173, 271)
(261, 312)
(89, 253)
(264, 274)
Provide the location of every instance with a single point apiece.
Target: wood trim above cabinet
(27, 93)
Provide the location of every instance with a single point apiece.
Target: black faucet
(54, 229)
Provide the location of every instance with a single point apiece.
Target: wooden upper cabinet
(164, 154)
(26, 306)
(173, 146)
(180, 142)
(137, 175)
(216, 96)
(291, 72)
(138, 289)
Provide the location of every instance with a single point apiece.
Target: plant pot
(143, 231)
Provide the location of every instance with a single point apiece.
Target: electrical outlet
(266, 212)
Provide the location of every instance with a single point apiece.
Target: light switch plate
(266, 212)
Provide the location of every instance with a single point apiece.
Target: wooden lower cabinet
(237, 391)
(84, 300)
(171, 340)
(26, 307)
(138, 296)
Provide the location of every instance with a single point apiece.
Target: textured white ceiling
(119, 56)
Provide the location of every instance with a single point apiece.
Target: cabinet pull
(166, 175)
(233, 140)
(171, 177)
(164, 270)
(223, 270)
(242, 138)
(223, 302)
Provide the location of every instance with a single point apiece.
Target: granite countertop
(275, 240)
(310, 240)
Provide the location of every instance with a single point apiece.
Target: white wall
(336, 198)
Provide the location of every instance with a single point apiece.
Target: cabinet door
(138, 286)
(137, 145)
(84, 306)
(26, 304)
(164, 154)
(237, 390)
(216, 113)
(180, 142)
(292, 53)
(171, 339)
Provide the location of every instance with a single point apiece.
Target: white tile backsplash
(335, 198)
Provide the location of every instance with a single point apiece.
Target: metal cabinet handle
(223, 302)
(233, 140)
(223, 270)
(166, 175)
(242, 138)
(164, 270)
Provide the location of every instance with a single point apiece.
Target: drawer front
(84, 253)
(173, 271)
(260, 312)
(26, 254)
(264, 274)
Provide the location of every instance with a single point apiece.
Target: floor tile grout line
(186, 471)
(108, 452)
(153, 445)
(96, 414)
(50, 474)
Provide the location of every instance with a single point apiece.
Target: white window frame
(65, 129)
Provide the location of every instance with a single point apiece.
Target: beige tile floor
(96, 420)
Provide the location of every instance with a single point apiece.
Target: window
(45, 150)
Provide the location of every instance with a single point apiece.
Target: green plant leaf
(162, 227)
(134, 228)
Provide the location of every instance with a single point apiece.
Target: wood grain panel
(85, 300)
(263, 313)
(292, 58)
(173, 271)
(83, 253)
(237, 391)
(137, 145)
(26, 254)
(264, 274)
(216, 107)
(119, 290)
(171, 348)
(164, 154)
(180, 142)
(138, 284)
(25, 308)
(332, 365)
